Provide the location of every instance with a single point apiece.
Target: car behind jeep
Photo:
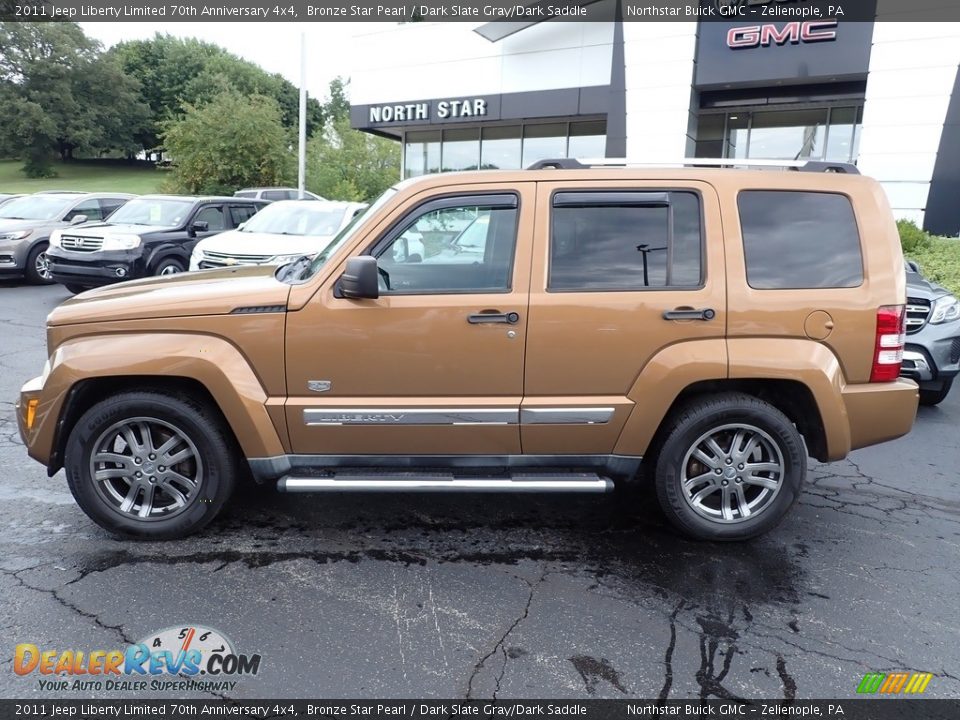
(153, 235)
(702, 329)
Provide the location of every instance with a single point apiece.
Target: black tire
(930, 398)
(76, 289)
(723, 414)
(169, 266)
(215, 456)
(32, 272)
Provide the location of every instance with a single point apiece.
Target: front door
(434, 366)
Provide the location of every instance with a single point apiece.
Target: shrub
(912, 238)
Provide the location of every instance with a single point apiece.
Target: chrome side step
(432, 482)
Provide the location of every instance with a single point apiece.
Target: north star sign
(441, 109)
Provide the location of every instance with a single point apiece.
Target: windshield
(347, 232)
(156, 212)
(296, 218)
(37, 207)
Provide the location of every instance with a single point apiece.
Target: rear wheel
(730, 467)
(37, 270)
(935, 397)
(147, 465)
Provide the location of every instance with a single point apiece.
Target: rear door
(619, 273)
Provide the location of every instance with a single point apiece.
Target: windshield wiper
(292, 269)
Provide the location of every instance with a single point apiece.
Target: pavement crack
(499, 645)
(668, 654)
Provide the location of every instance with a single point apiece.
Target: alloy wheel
(732, 473)
(146, 468)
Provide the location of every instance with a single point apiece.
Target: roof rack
(815, 166)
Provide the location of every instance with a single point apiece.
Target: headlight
(16, 235)
(945, 309)
(283, 259)
(120, 242)
(55, 239)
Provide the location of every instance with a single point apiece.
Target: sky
(274, 46)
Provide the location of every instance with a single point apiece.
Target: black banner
(507, 11)
(873, 709)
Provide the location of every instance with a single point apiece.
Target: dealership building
(883, 94)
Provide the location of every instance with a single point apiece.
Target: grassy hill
(79, 175)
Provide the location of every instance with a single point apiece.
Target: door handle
(684, 313)
(492, 316)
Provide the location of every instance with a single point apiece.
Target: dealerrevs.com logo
(190, 657)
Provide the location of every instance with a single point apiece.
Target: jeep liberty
(704, 329)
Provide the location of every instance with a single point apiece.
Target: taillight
(888, 351)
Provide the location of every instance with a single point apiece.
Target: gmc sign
(752, 36)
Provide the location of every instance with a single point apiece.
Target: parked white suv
(280, 232)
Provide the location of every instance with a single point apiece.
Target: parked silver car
(26, 224)
(932, 352)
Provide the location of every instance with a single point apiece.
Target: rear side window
(242, 213)
(275, 195)
(625, 240)
(800, 240)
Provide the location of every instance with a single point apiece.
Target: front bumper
(933, 354)
(28, 412)
(12, 258)
(97, 268)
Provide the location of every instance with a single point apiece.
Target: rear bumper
(878, 412)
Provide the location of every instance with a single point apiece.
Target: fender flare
(211, 361)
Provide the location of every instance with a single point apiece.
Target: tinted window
(90, 208)
(427, 256)
(213, 216)
(108, 205)
(242, 213)
(624, 241)
(796, 240)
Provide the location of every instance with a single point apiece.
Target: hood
(918, 286)
(234, 242)
(98, 229)
(12, 225)
(209, 292)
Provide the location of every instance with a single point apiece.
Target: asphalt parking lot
(513, 596)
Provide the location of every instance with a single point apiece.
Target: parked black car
(932, 353)
(152, 235)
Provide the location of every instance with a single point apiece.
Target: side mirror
(199, 226)
(360, 279)
(77, 219)
(914, 266)
(240, 226)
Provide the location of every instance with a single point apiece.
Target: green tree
(58, 93)
(230, 142)
(174, 72)
(346, 164)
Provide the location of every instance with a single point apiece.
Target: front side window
(799, 240)
(88, 208)
(459, 248)
(241, 213)
(624, 240)
(213, 217)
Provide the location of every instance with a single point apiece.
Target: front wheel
(151, 466)
(169, 266)
(730, 467)
(37, 270)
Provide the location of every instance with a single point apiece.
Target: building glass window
(501, 147)
(587, 139)
(461, 149)
(542, 142)
(422, 153)
(828, 133)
